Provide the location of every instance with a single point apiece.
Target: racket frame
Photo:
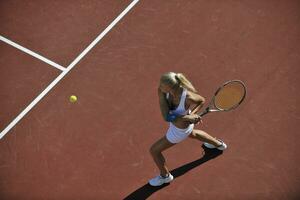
(209, 108)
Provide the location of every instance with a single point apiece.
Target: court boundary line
(68, 69)
(28, 51)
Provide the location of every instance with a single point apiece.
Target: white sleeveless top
(180, 110)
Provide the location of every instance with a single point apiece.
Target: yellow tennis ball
(73, 98)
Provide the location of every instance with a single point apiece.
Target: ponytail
(184, 82)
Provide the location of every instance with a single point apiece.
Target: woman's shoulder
(193, 97)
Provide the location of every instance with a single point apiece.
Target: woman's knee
(159, 146)
(154, 150)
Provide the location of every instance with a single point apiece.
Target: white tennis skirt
(176, 135)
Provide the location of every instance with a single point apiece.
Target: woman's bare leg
(204, 137)
(156, 149)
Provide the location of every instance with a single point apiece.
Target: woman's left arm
(197, 101)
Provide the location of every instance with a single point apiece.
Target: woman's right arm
(164, 108)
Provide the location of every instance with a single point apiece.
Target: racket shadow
(147, 190)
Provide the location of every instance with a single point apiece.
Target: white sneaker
(222, 147)
(159, 180)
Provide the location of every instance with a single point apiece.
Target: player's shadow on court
(147, 190)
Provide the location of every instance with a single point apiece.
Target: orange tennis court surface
(98, 147)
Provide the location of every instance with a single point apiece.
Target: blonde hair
(173, 79)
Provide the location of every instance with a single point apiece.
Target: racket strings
(229, 96)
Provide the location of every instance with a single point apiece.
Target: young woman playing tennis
(179, 103)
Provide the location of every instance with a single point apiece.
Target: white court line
(32, 53)
(79, 57)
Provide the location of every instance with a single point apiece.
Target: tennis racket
(227, 97)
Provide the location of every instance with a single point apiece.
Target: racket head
(230, 95)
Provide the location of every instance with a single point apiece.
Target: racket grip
(204, 112)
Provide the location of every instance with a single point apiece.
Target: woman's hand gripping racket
(228, 97)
